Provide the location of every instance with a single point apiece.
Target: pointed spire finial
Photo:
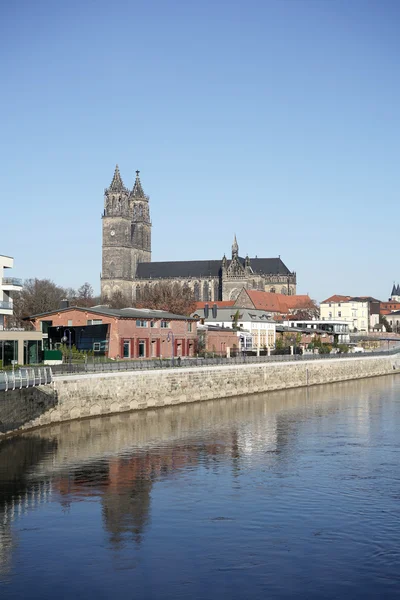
(117, 184)
(235, 247)
(137, 191)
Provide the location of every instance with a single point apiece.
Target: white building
(8, 285)
(16, 346)
(360, 312)
(394, 320)
(256, 322)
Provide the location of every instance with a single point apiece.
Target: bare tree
(117, 300)
(307, 312)
(85, 295)
(172, 298)
(37, 296)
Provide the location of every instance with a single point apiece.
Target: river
(279, 495)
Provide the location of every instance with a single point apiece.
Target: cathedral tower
(141, 226)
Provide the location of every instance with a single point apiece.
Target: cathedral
(127, 266)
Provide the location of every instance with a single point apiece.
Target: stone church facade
(127, 265)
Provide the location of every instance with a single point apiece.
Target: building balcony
(11, 283)
(6, 305)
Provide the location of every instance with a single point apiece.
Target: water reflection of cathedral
(124, 483)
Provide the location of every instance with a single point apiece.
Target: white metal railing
(25, 378)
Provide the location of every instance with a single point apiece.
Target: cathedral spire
(235, 247)
(117, 184)
(137, 191)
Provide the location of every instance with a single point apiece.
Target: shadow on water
(130, 464)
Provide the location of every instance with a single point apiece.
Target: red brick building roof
(219, 303)
(336, 298)
(278, 303)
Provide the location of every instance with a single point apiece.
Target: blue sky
(274, 119)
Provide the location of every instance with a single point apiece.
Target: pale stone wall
(100, 394)
(19, 407)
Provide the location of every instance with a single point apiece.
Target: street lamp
(170, 337)
(66, 339)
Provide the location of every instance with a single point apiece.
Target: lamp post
(170, 337)
(68, 339)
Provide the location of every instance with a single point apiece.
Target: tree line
(43, 295)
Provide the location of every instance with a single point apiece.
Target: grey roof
(227, 314)
(205, 268)
(275, 266)
(182, 268)
(363, 299)
(122, 313)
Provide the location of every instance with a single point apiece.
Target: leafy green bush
(325, 349)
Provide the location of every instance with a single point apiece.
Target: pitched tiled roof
(279, 303)
(180, 268)
(120, 313)
(219, 303)
(336, 298)
(205, 268)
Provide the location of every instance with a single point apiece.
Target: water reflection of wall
(18, 494)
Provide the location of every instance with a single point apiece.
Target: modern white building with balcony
(8, 285)
(17, 347)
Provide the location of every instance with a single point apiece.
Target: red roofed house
(119, 333)
(279, 305)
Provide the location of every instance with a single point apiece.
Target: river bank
(76, 397)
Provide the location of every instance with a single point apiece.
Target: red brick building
(119, 333)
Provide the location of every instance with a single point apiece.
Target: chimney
(214, 311)
(64, 303)
(206, 311)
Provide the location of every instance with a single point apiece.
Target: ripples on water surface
(290, 494)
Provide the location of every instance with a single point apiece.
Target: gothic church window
(138, 293)
(216, 290)
(196, 291)
(206, 291)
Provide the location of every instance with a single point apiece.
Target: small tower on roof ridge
(137, 191)
(117, 185)
(235, 247)
(395, 295)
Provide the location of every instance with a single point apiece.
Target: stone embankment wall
(79, 396)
